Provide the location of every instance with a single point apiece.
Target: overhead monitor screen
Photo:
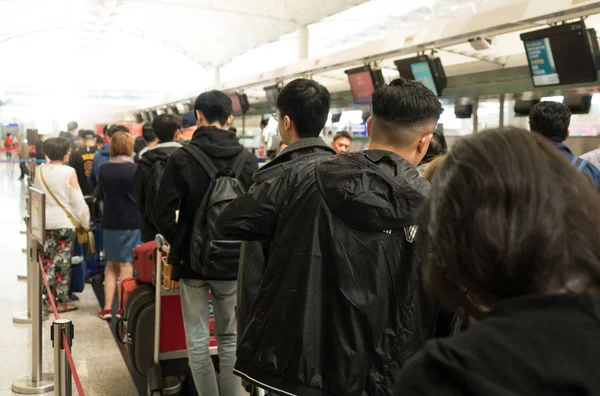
(272, 94)
(362, 86)
(422, 73)
(560, 55)
(236, 105)
(426, 69)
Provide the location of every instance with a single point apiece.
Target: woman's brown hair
(433, 167)
(508, 216)
(121, 144)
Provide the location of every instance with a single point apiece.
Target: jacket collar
(295, 150)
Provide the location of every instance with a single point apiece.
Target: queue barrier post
(38, 382)
(61, 333)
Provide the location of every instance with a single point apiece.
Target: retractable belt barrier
(65, 342)
(17, 161)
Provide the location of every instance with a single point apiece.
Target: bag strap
(582, 163)
(69, 215)
(202, 159)
(239, 162)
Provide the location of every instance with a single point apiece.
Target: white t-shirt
(58, 179)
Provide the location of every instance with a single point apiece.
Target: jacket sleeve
(139, 182)
(250, 167)
(170, 194)
(254, 215)
(93, 178)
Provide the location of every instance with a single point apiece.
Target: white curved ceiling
(135, 53)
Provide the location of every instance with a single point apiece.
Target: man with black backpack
(150, 169)
(214, 163)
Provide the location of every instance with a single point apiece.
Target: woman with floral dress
(59, 182)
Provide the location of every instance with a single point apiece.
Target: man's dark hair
(306, 102)
(342, 134)
(551, 120)
(165, 126)
(215, 105)
(56, 148)
(400, 110)
(148, 131)
(139, 144)
(500, 217)
(264, 123)
(116, 128)
(99, 139)
(436, 148)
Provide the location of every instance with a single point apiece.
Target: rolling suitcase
(95, 263)
(144, 262)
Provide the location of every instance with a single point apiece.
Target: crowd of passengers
(403, 269)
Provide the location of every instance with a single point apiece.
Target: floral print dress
(57, 262)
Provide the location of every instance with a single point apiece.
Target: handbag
(84, 234)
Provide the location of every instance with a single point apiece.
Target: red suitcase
(144, 262)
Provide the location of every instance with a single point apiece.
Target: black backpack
(211, 255)
(155, 175)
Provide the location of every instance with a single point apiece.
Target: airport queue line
(222, 276)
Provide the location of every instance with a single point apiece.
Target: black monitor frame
(585, 58)
(435, 65)
(376, 78)
(271, 88)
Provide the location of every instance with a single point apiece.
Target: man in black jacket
(165, 128)
(183, 186)
(341, 307)
(305, 104)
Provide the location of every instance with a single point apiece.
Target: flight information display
(560, 55)
(541, 62)
(422, 73)
(362, 86)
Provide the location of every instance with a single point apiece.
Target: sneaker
(105, 314)
(119, 314)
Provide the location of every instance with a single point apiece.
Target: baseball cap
(188, 120)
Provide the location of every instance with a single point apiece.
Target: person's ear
(369, 123)
(287, 123)
(228, 122)
(424, 143)
(199, 118)
(568, 133)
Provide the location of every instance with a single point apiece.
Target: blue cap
(189, 120)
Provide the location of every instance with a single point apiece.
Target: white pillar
(217, 77)
(303, 43)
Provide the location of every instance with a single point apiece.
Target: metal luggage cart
(168, 310)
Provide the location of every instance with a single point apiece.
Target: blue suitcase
(95, 264)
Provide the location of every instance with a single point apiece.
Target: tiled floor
(97, 357)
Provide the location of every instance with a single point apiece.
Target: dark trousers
(24, 171)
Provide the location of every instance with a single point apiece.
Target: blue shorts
(118, 244)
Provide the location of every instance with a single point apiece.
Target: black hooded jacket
(527, 346)
(161, 153)
(254, 254)
(341, 305)
(183, 186)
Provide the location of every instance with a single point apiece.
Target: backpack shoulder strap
(581, 165)
(238, 164)
(202, 159)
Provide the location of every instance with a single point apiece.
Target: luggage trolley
(169, 334)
